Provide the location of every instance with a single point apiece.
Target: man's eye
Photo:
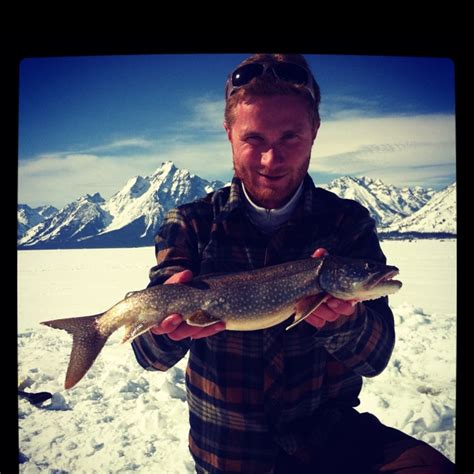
(254, 140)
(290, 137)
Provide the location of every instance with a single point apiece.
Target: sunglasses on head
(282, 71)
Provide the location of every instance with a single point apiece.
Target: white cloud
(136, 142)
(61, 178)
(206, 115)
(208, 159)
(401, 150)
(412, 150)
(345, 106)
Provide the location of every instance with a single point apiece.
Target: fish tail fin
(87, 342)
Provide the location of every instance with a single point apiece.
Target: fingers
(177, 329)
(180, 277)
(331, 311)
(169, 324)
(326, 313)
(315, 321)
(320, 253)
(185, 330)
(346, 308)
(322, 316)
(199, 333)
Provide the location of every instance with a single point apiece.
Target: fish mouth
(385, 278)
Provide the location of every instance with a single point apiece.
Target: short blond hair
(265, 86)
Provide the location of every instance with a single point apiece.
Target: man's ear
(315, 130)
(228, 131)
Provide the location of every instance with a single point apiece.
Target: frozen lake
(121, 418)
(64, 283)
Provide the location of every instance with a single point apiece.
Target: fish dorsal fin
(130, 293)
(305, 306)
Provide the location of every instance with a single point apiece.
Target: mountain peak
(46, 211)
(166, 167)
(361, 180)
(368, 181)
(136, 186)
(95, 198)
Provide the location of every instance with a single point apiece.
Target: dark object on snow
(35, 398)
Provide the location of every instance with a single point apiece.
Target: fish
(245, 301)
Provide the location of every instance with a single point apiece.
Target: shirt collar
(281, 210)
(269, 220)
(236, 200)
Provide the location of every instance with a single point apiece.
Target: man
(274, 400)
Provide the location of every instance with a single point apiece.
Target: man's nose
(271, 156)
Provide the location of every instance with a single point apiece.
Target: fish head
(348, 278)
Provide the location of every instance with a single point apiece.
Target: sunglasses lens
(287, 72)
(291, 73)
(243, 75)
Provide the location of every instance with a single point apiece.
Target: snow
(121, 418)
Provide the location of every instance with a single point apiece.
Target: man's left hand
(333, 308)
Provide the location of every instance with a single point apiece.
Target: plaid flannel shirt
(252, 393)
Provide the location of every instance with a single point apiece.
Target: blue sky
(88, 124)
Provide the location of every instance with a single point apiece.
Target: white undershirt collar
(269, 220)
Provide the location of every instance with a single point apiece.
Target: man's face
(271, 143)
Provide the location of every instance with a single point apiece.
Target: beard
(271, 195)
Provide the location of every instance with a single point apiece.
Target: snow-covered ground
(121, 418)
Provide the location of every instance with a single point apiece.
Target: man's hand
(174, 325)
(333, 308)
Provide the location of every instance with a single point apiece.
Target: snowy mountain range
(29, 217)
(437, 215)
(385, 203)
(131, 217)
(402, 212)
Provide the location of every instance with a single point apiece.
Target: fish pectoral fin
(305, 306)
(202, 319)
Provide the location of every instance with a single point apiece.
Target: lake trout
(245, 301)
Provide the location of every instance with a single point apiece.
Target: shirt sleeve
(364, 341)
(176, 250)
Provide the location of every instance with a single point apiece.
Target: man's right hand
(174, 325)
